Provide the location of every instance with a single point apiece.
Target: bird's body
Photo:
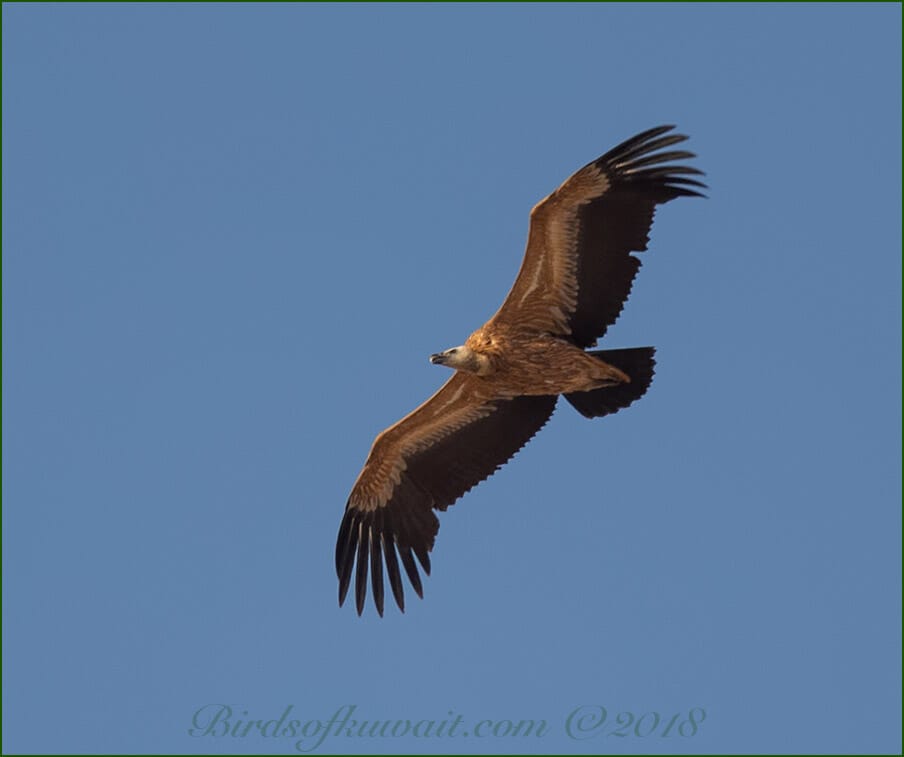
(523, 361)
(576, 275)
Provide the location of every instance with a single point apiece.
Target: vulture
(576, 274)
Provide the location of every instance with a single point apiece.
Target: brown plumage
(575, 278)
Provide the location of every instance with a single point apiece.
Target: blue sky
(231, 237)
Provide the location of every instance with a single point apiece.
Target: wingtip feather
(361, 573)
(376, 569)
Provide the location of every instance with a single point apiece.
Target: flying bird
(576, 274)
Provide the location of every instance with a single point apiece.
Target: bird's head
(462, 358)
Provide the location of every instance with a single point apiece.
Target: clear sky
(231, 237)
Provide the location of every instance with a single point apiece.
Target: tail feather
(637, 362)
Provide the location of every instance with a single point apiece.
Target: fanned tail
(637, 362)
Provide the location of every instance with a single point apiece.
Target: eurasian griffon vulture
(576, 275)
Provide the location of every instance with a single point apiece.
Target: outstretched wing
(426, 461)
(578, 268)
